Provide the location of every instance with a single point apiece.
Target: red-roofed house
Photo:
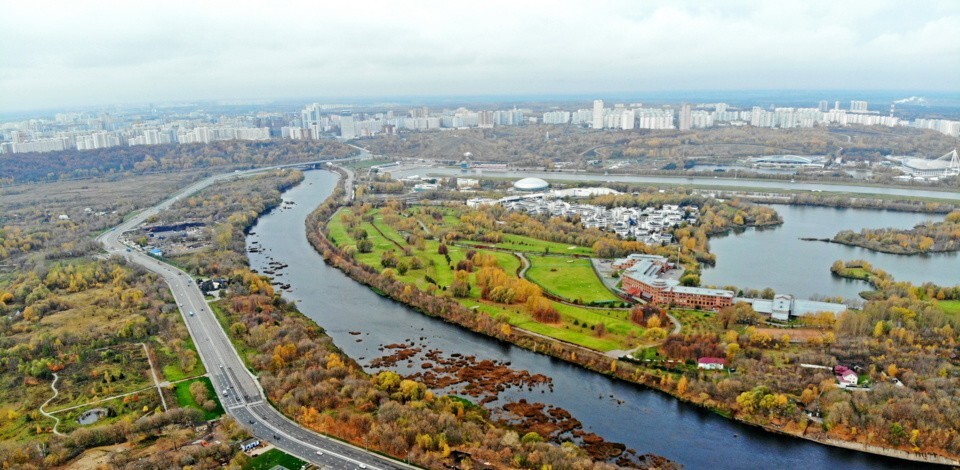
(711, 363)
(845, 376)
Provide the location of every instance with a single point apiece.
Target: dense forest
(70, 164)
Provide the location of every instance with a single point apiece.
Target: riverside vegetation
(931, 237)
(308, 378)
(903, 341)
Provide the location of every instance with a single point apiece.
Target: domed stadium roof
(531, 184)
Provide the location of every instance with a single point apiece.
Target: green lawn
(271, 458)
(950, 307)
(185, 398)
(533, 245)
(574, 280)
(172, 371)
(571, 278)
(696, 321)
(337, 231)
(389, 232)
(856, 273)
(616, 321)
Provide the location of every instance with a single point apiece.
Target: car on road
(191, 313)
(319, 452)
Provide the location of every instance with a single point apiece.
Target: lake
(776, 257)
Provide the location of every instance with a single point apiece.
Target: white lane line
(268, 425)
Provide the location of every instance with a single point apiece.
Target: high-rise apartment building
(627, 120)
(858, 106)
(347, 128)
(685, 117)
(598, 114)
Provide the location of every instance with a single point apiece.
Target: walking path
(522, 274)
(153, 372)
(53, 385)
(94, 402)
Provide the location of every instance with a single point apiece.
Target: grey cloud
(71, 53)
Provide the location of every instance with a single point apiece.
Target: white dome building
(531, 184)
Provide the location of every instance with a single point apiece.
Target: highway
(240, 392)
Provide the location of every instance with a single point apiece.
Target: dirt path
(153, 372)
(53, 386)
(61, 410)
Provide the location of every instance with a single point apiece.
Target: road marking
(267, 424)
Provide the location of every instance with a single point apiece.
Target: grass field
(950, 307)
(185, 398)
(272, 458)
(856, 273)
(532, 245)
(571, 278)
(696, 321)
(172, 371)
(576, 326)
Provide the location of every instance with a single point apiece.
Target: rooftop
(703, 291)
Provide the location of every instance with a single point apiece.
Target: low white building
(467, 183)
(711, 363)
(782, 307)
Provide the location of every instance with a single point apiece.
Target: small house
(249, 444)
(711, 363)
(846, 377)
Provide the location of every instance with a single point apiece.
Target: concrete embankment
(895, 453)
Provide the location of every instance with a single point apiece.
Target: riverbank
(452, 312)
(890, 250)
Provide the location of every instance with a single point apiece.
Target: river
(643, 419)
(770, 185)
(776, 257)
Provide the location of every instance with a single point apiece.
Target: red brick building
(643, 279)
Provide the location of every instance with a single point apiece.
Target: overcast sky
(71, 53)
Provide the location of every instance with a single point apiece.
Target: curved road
(239, 390)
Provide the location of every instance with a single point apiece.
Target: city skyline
(61, 54)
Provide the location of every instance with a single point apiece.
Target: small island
(931, 237)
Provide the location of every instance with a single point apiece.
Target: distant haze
(73, 53)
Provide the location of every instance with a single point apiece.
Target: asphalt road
(240, 392)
